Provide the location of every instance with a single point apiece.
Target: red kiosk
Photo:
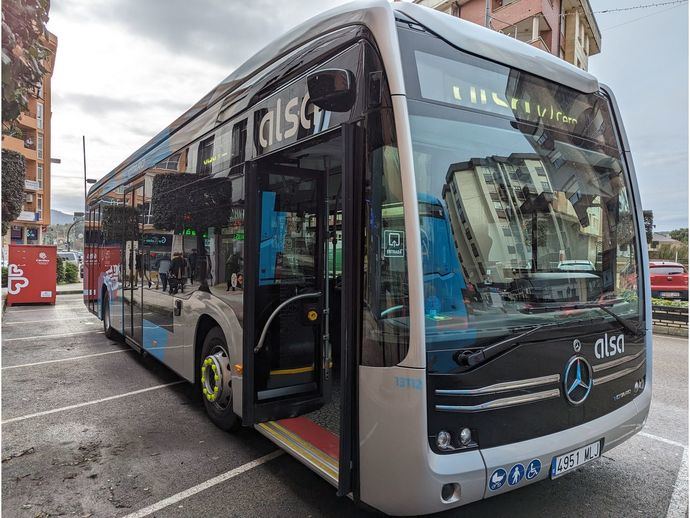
(32, 274)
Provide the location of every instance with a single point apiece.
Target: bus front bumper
(613, 429)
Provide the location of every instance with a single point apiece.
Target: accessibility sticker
(533, 469)
(498, 478)
(516, 473)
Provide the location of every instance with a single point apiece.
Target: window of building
(540, 171)
(468, 234)
(511, 249)
(488, 178)
(39, 206)
(39, 115)
(39, 147)
(481, 268)
(39, 175)
(171, 163)
(494, 196)
(545, 187)
(475, 252)
(501, 214)
(506, 232)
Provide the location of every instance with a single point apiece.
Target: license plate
(569, 461)
(670, 294)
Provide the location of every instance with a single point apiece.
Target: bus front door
(286, 325)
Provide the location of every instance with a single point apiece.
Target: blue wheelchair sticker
(498, 478)
(515, 475)
(533, 469)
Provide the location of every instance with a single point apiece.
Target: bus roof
(379, 16)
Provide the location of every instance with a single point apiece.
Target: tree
(648, 216)
(24, 55)
(680, 234)
(13, 175)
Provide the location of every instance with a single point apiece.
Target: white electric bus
(405, 248)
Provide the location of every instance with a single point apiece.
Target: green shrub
(670, 303)
(71, 272)
(60, 270)
(4, 277)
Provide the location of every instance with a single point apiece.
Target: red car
(669, 280)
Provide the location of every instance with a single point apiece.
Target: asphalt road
(90, 428)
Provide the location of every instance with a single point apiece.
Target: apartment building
(565, 28)
(31, 138)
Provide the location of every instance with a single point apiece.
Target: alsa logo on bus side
(609, 346)
(283, 121)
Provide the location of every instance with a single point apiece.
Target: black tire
(223, 417)
(107, 328)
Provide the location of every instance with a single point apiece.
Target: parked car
(669, 280)
(576, 265)
(73, 257)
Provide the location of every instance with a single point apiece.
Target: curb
(670, 331)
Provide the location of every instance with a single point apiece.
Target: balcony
(28, 149)
(28, 120)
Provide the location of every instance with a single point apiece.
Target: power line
(639, 18)
(642, 6)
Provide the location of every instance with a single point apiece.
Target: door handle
(264, 332)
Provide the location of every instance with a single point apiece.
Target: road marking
(50, 320)
(88, 403)
(66, 359)
(53, 336)
(663, 439)
(678, 506)
(203, 486)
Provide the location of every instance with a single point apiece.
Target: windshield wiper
(475, 358)
(605, 307)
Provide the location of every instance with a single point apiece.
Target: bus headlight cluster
(445, 440)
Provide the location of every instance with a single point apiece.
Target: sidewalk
(70, 289)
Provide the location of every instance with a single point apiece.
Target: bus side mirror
(332, 89)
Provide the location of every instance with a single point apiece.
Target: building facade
(31, 138)
(564, 28)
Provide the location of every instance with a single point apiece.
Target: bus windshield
(525, 208)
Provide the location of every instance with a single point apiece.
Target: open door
(133, 265)
(287, 356)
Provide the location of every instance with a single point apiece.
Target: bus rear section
(537, 342)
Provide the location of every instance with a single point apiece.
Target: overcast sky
(125, 69)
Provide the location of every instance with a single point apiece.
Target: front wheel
(215, 383)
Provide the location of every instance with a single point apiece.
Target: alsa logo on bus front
(283, 121)
(609, 346)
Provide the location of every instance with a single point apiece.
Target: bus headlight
(465, 436)
(443, 440)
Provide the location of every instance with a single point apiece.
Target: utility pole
(487, 15)
(83, 144)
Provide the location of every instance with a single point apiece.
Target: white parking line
(66, 359)
(53, 336)
(678, 506)
(88, 403)
(49, 320)
(203, 486)
(663, 439)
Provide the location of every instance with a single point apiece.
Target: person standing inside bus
(164, 270)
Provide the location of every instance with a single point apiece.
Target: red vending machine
(32, 274)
